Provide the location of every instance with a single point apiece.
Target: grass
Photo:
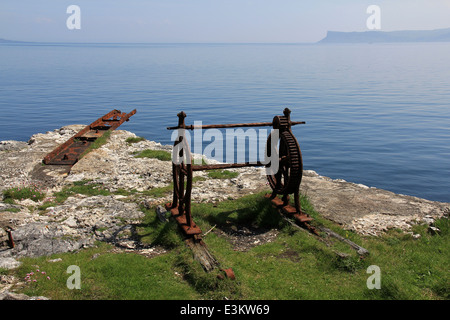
(159, 191)
(222, 174)
(155, 154)
(97, 143)
(106, 275)
(415, 269)
(294, 266)
(89, 188)
(20, 193)
(134, 140)
(85, 187)
(219, 173)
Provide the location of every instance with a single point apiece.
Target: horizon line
(243, 43)
(234, 43)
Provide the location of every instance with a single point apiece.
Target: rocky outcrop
(77, 223)
(81, 220)
(367, 210)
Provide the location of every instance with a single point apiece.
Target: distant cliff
(10, 41)
(440, 35)
(5, 41)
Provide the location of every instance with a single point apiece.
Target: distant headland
(439, 35)
(10, 41)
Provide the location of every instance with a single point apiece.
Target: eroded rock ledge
(81, 220)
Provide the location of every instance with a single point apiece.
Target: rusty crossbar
(69, 152)
(231, 125)
(226, 166)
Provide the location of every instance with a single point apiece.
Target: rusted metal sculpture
(284, 182)
(69, 152)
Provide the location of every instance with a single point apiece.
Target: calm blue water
(376, 114)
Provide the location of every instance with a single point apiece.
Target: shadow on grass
(254, 210)
(153, 231)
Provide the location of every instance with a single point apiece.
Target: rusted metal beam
(189, 228)
(69, 152)
(226, 166)
(289, 210)
(231, 125)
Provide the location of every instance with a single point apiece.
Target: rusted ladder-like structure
(285, 181)
(69, 152)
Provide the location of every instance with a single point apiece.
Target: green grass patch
(152, 231)
(105, 275)
(21, 193)
(123, 192)
(222, 174)
(159, 191)
(249, 210)
(219, 173)
(97, 143)
(85, 187)
(155, 154)
(134, 140)
(413, 268)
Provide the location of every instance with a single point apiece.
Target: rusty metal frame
(69, 152)
(285, 182)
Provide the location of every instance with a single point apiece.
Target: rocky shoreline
(82, 219)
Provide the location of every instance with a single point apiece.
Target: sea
(375, 114)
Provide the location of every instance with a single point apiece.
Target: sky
(211, 21)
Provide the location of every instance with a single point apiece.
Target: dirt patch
(290, 255)
(244, 238)
(148, 252)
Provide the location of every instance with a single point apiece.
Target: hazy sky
(211, 20)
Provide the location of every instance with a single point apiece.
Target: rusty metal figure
(284, 182)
